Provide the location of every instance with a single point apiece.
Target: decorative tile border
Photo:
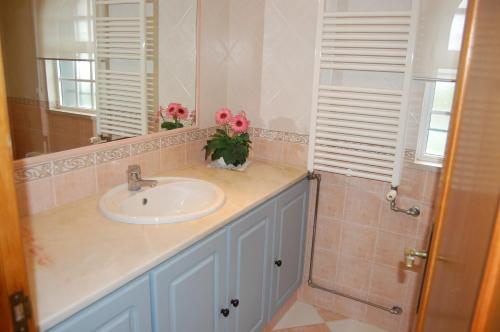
(276, 135)
(74, 163)
(273, 135)
(196, 135)
(63, 165)
(144, 147)
(296, 138)
(167, 141)
(32, 173)
(112, 154)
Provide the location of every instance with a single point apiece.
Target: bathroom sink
(172, 200)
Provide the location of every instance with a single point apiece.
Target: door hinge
(21, 311)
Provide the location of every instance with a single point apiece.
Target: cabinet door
(126, 310)
(291, 215)
(250, 264)
(188, 292)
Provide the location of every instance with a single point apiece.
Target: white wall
(288, 63)
(213, 74)
(246, 30)
(270, 59)
(270, 62)
(177, 52)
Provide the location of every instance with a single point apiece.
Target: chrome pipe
(395, 310)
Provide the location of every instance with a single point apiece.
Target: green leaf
(171, 125)
(234, 150)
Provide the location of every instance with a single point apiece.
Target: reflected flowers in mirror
(175, 116)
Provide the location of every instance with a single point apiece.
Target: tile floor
(303, 317)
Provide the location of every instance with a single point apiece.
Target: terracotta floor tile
(329, 316)
(308, 328)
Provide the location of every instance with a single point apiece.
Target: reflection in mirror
(84, 72)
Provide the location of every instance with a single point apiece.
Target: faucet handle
(134, 170)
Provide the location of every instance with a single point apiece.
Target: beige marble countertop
(76, 256)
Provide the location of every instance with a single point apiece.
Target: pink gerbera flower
(223, 116)
(173, 109)
(240, 123)
(182, 112)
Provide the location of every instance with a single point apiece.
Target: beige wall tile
(398, 223)
(431, 186)
(412, 183)
(265, 149)
(325, 264)
(328, 178)
(295, 154)
(173, 157)
(75, 185)
(111, 174)
(149, 162)
(358, 241)
(195, 152)
(354, 272)
(328, 234)
(372, 186)
(362, 207)
(383, 319)
(331, 201)
(388, 282)
(35, 196)
(348, 307)
(390, 247)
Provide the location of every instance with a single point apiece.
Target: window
(71, 85)
(76, 83)
(433, 133)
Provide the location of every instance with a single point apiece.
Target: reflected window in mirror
(71, 86)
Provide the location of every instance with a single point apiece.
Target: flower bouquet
(173, 116)
(230, 144)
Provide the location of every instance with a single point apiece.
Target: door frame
(13, 272)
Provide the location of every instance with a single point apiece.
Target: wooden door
(291, 214)
(189, 291)
(250, 266)
(459, 269)
(13, 276)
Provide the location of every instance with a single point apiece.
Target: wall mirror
(83, 72)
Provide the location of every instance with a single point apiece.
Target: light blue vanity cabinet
(126, 310)
(234, 280)
(189, 291)
(250, 251)
(289, 242)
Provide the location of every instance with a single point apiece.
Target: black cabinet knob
(278, 262)
(225, 312)
(235, 302)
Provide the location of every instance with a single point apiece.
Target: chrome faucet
(135, 182)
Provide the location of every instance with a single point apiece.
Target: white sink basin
(173, 200)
